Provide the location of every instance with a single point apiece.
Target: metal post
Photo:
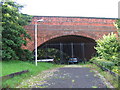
(36, 39)
(61, 52)
(36, 43)
(72, 50)
(83, 51)
(46, 50)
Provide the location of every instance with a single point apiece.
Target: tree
(13, 33)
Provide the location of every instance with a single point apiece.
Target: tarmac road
(72, 77)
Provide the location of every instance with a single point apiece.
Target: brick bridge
(57, 29)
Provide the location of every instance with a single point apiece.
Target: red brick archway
(69, 39)
(71, 45)
(54, 26)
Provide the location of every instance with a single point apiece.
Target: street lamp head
(41, 20)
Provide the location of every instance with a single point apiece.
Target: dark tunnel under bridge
(74, 46)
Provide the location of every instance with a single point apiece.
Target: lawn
(13, 66)
(16, 66)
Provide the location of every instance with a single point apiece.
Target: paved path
(72, 77)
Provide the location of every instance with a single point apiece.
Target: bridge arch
(73, 45)
(55, 36)
(69, 39)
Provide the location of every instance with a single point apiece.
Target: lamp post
(41, 20)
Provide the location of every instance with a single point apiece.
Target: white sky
(85, 8)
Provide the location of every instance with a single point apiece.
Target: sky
(81, 8)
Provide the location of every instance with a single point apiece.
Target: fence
(82, 51)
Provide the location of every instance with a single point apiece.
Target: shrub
(25, 55)
(108, 48)
(116, 69)
(52, 53)
(104, 63)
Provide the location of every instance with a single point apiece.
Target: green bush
(108, 48)
(117, 24)
(116, 69)
(52, 53)
(108, 52)
(104, 63)
(25, 55)
(94, 58)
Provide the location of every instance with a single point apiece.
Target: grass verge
(13, 66)
(110, 78)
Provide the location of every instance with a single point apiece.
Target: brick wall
(54, 26)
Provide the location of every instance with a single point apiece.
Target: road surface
(68, 77)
